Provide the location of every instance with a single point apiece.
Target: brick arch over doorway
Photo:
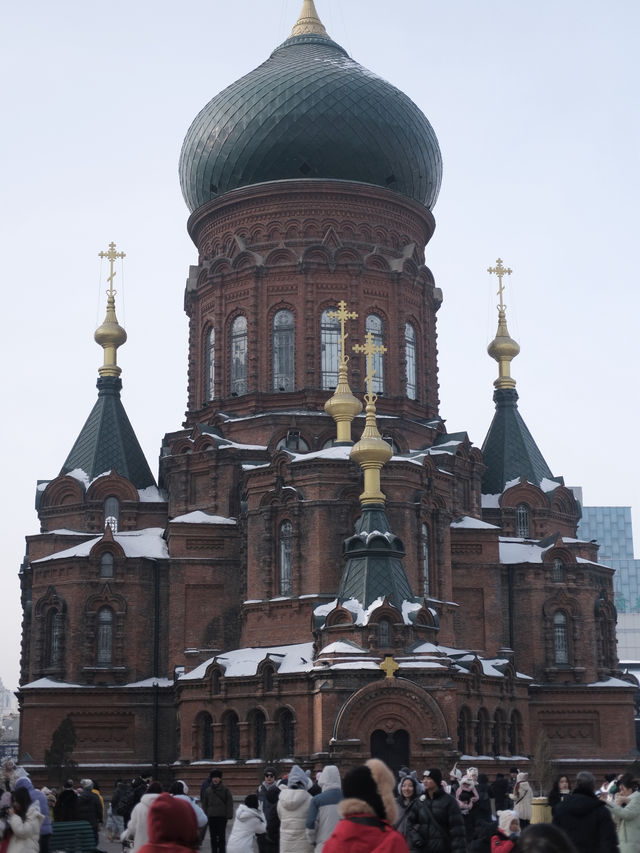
(389, 706)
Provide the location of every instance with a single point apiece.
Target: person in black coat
(586, 819)
(90, 807)
(499, 791)
(66, 805)
(435, 823)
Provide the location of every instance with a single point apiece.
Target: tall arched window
(210, 364)
(106, 565)
(283, 351)
(329, 349)
(285, 558)
(425, 560)
(374, 325)
(384, 634)
(287, 733)
(410, 356)
(232, 730)
(522, 521)
(557, 571)
(239, 384)
(258, 728)
(105, 637)
(53, 641)
(204, 735)
(560, 638)
(112, 513)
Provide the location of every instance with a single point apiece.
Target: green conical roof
(509, 450)
(107, 441)
(374, 566)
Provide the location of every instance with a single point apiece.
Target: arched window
(232, 731)
(464, 731)
(106, 565)
(258, 728)
(287, 733)
(560, 638)
(267, 679)
(557, 571)
(210, 364)
(384, 634)
(329, 349)
(515, 734)
(522, 521)
(104, 637)
(410, 357)
(499, 732)
(53, 639)
(425, 560)
(216, 682)
(283, 351)
(204, 735)
(483, 730)
(112, 513)
(374, 325)
(285, 558)
(239, 383)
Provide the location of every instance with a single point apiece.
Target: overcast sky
(535, 106)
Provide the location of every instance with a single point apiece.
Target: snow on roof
(521, 551)
(342, 647)
(490, 501)
(409, 607)
(612, 682)
(225, 443)
(151, 494)
(548, 485)
(475, 523)
(50, 684)
(147, 543)
(324, 609)
(199, 517)
(362, 616)
(340, 452)
(244, 662)
(62, 531)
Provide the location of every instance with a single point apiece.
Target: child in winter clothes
(248, 823)
(504, 840)
(467, 797)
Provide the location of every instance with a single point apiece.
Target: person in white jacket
(25, 820)
(137, 826)
(293, 805)
(248, 823)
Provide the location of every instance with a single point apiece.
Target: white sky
(536, 109)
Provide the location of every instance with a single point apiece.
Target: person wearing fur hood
(293, 805)
(368, 812)
(504, 840)
(522, 797)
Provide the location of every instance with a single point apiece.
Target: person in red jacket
(504, 840)
(367, 812)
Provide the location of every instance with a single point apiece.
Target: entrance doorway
(391, 747)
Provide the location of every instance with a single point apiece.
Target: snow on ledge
(200, 517)
(475, 523)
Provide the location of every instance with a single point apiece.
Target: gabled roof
(107, 441)
(509, 450)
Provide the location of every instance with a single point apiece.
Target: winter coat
(362, 831)
(628, 818)
(247, 824)
(501, 843)
(522, 800)
(404, 809)
(90, 809)
(466, 797)
(218, 801)
(26, 833)
(437, 825)
(137, 826)
(293, 805)
(171, 825)
(39, 798)
(262, 792)
(66, 807)
(588, 822)
(323, 816)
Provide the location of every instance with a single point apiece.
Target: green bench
(72, 836)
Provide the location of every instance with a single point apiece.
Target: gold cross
(500, 271)
(389, 667)
(343, 315)
(369, 349)
(111, 256)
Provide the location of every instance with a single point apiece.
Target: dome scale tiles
(309, 112)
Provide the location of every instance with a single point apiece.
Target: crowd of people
(369, 810)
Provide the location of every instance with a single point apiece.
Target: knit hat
(373, 784)
(172, 821)
(271, 770)
(251, 801)
(435, 774)
(216, 774)
(505, 819)
(185, 787)
(87, 784)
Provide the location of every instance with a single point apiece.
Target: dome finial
(502, 348)
(308, 22)
(110, 335)
(342, 406)
(372, 451)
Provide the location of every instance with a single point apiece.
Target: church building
(319, 572)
